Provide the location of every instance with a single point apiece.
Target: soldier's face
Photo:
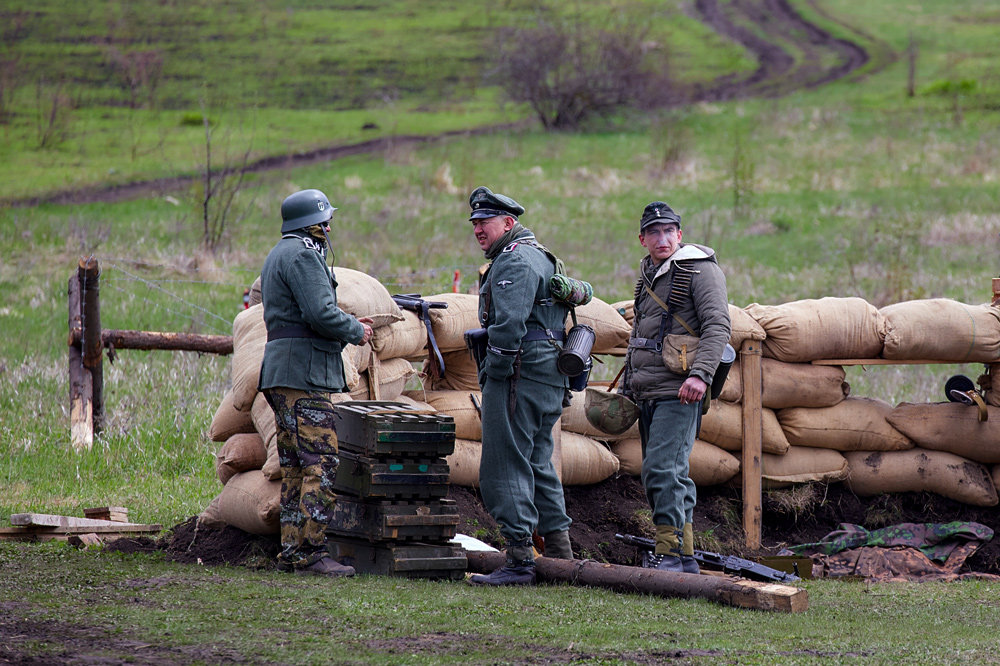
(488, 229)
(661, 240)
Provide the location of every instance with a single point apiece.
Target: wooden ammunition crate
(415, 560)
(431, 521)
(368, 478)
(377, 428)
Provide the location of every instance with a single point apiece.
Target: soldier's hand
(366, 322)
(692, 391)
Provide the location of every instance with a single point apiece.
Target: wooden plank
(883, 361)
(55, 520)
(81, 540)
(118, 514)
(753, 433)
(119, 528)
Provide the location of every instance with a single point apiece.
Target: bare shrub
(52, 113)
(569, 71)
(221, 185)
(139, 73)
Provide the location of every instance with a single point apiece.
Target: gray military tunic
(522, 400)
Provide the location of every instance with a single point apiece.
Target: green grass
(210, 614)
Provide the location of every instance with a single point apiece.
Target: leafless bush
(569, 71)
(52, 113)
(221, 185)
(139, 73)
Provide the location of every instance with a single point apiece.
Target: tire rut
(761, 26)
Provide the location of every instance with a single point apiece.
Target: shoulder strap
(663, 305)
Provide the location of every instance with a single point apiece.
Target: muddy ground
(801, 515)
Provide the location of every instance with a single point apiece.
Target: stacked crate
(391, 515)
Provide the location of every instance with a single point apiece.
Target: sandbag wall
(814, 430)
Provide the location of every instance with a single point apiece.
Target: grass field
(852, 189)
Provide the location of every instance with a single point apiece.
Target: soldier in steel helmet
(523, 391)
(302, 367)
(681, 291)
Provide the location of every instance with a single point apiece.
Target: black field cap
(485, 203)
(658, 213)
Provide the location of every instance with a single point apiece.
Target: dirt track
(790, 50)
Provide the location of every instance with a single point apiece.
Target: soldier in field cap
(681, 291)
(523, 390)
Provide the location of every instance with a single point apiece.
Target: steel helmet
(304, 209)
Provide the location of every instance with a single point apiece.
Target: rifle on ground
(422, 307)
(729, 564)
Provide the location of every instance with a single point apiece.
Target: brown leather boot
(326, 566)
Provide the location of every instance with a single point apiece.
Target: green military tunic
(523, 390)
(302, 366)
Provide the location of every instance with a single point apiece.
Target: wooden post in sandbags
(750, 374)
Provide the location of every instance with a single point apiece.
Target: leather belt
(645, 343)
(291, 332)
(544, 334)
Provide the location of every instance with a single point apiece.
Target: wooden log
(93, 353)
(996, 292)
(753, 432)
(119, 339)
(80, 383)
(730, 590)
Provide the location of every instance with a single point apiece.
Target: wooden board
(113, 528)
(54, 520)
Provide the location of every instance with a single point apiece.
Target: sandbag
(585, 460)
(709, 465)
(951, 427)
(460, 373)
(391, 377)
(359, 356)
(811, 329)
(450, 324)
(917, 470)
(941, 329)
(732, 390)
(240, 453)
(406, 338)
(228, 420)
(248, 501)
(611, 331)
(801, 384)
(254, 297)
(463, 464)
(249, 338)
(458, 405)
(744, 326)
(723, 426)
(362, 295)
(802, 464)
(854, 424)
(995, 474)
(626, 309)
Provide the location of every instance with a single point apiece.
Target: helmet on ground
(304, 209)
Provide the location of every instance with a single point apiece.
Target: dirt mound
(804, 514)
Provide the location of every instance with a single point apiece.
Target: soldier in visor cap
(681, 291)
(523, 390)
(302, 367)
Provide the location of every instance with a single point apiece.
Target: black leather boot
(663, 563)
(512, 573)
(326, 566)
(690, 565)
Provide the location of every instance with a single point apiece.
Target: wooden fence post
(750, 354)
(93, 348)
(80, 382)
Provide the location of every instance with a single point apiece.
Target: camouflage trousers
(307, 451)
